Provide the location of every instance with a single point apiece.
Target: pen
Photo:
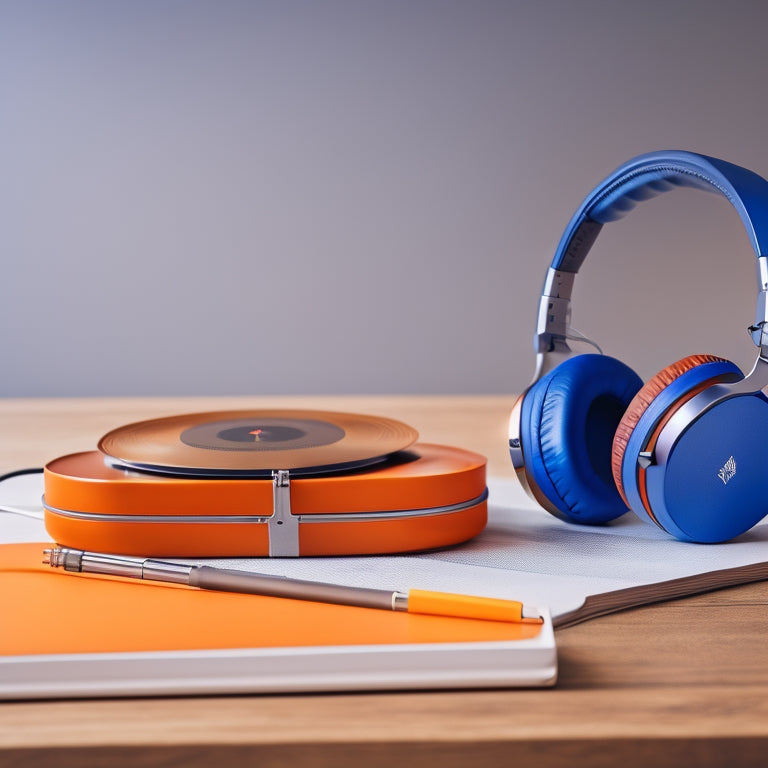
(228, 580)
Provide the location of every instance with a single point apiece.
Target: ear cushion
(659, 394)
(567, 424)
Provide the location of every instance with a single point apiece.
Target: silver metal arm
(759, 331)
(553, 323)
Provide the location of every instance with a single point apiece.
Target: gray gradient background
(359, 197)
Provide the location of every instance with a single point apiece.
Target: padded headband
(649, 175)
(639, 179)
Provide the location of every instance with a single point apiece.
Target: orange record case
(435, 497)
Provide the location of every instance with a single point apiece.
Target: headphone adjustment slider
(554, 319)
(554, 309)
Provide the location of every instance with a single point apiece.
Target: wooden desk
(682, 683)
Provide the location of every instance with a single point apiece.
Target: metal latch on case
(283, 526)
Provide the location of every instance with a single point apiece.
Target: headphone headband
(636, 180)
(653, 174)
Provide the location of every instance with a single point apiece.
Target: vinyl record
(255, 443)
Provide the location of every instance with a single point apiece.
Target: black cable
(18, 472)
(19, 510)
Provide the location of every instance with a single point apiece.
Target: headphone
(686, 450)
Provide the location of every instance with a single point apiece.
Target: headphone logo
(727, 471)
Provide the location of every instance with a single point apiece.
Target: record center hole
(251, 433)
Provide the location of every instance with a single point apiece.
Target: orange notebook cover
(65, 634)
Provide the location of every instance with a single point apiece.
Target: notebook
(75, 635)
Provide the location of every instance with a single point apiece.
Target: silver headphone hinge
(554, 309)
(759, 331)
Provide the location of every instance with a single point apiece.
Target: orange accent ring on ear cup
(642, 488)
(643, 399)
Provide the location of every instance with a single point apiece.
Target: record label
(262, 434)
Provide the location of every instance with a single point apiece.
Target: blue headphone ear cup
(567, 425)
(657, 399)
